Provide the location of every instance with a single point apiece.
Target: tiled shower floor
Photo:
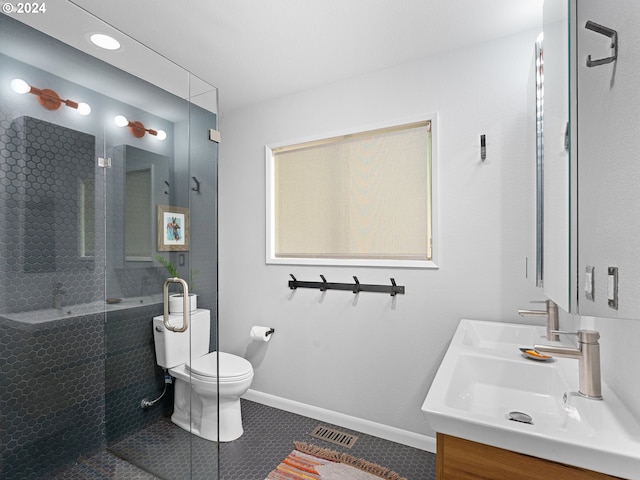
(174, 454)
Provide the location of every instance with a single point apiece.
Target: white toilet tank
(176, 348)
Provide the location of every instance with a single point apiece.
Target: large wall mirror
(146, 185)
(55, 219)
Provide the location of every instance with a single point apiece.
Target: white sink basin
(477, 386)
(476, 333)
(493, 387)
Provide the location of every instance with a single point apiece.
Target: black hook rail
(356, 287)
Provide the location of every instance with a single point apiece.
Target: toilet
(199, 375)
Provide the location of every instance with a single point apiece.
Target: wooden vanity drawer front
(459, 459)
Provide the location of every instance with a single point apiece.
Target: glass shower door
(160, 217)
(83, 195)
(160, 224)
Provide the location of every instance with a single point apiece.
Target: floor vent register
(334, 436)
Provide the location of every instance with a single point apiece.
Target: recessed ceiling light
(105, 41)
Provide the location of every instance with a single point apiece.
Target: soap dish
(532, 354)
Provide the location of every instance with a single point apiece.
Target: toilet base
(198, 414)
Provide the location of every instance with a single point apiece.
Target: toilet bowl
(208, 385)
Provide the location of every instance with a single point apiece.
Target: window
(362, 198)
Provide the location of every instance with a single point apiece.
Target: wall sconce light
(48, 98)
(137, 128)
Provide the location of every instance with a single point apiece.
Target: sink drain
(520, 417)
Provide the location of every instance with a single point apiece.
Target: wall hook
(393, 287)
(293, 285)
(323, 287)
(356, 286)
(166, 192)
(197, 187)
(607, 32)
(483, 147)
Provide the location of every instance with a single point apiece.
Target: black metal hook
(393, 289)
(356, 287)
(293, 285)
(323, 287)
(197, 187)
(168, 185)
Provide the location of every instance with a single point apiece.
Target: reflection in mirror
(57, 164)
(557, 179)
(539, 73)
(146, 177)
(137, 224)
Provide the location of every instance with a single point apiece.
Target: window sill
(338, 262)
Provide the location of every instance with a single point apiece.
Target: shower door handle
(185, 304)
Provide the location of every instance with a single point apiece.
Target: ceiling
(256, 50)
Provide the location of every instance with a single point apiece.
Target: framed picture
(173, 228)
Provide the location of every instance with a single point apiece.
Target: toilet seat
(232, 368)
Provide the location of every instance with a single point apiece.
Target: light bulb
(121, 121)
(84, 108)
(161, 135)
(105, 41)
(20, 86)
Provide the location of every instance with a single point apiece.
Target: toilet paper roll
(262, 334)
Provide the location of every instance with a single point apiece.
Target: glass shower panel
(202, 180)
(159, 222)
(52, 343)
(83, 252)
(144, 147)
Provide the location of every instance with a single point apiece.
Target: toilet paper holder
(261, 333)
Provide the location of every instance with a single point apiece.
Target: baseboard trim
(386, 432)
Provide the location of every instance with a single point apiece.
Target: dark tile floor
(170, 453)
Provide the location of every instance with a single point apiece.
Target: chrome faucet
(58, 295)
(551, 315)
(588, 356)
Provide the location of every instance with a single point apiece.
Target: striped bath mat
(308, 462)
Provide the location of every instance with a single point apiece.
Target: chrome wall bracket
(607, 32)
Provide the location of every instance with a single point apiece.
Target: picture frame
(173, 228)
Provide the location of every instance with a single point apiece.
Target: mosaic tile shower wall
(132, 373)
(52, 375)
(45, 167)
(51, 393)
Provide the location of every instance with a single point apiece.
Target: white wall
(619, 357)
(375, 360)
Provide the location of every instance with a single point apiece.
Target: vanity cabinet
(459, 459)
(608, 158)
